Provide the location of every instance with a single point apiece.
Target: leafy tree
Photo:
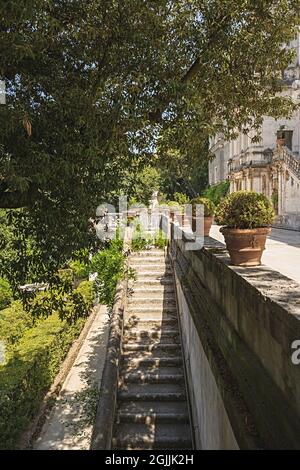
(217, 192)
(94, 87)
(139, 185)
(5, 293)
(184, 173)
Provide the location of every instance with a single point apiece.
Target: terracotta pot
(206, 224)
(245, 246)
(185, 221)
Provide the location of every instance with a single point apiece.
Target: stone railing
(103, 426)
(238, 326)
(248, 165)
(291, 161)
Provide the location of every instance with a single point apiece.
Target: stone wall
(238, 325)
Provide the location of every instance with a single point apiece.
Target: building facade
(270, 166)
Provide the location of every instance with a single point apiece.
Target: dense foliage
(142, 241)
(35, 349)
(29, 372)
(109, 264)
(5, 293)
(14, 321)
(181, 198)
(217, 192)
(96, 87)
(245, 210)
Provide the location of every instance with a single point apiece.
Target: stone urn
(245, 246)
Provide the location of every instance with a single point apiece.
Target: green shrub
(66, 275)
(69, 303)
(209, 207)
(181, 198)
(29, 372)
(175, 206)
(86, 289)
(160, 240)
(109, 264)
(139, 244)
(245, 210)
(6, 295)
(14, 321)
(80, 269)
(217, 192)
(140, 240)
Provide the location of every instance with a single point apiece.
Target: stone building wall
(250, 166)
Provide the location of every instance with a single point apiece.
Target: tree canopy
(96, 86)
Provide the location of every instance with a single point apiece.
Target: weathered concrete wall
(212, 428)
(246, 320)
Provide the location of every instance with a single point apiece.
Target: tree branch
(192, 71)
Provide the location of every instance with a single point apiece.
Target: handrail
(104, 422)
(290, 159)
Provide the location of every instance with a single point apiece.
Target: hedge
(29, 372)
(6, 295)
(14, 321)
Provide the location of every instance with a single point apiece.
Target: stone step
(151, 378)
(152, 361)
(154, 408)
(146, 265)
(149, 336)
(156, 370)
(153, 342)
(154, 418)
(157, 320)
(154, 290)
(151, 396)
(148, 282)
(152, 411)
(146, 273)
(158, 353)
(157, 264)
(151, 310)
(159, 316)
(148, 253)
(151, 301)
(150, 323)
(151, 347)
(144, 437)
(139, 269)
(154, 388)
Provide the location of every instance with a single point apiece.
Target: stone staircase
(152, 409)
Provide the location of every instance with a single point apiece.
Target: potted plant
(209, 210)
(175, 209)
(246, 217)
